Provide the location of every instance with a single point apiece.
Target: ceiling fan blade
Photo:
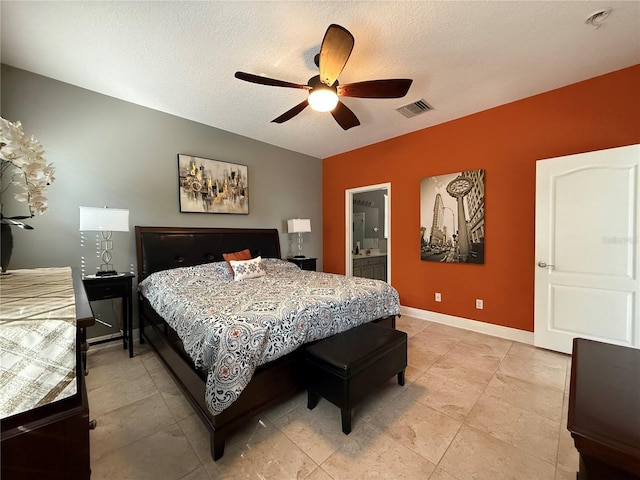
(392, 88)
(344, 116)
(289, 114)
(249, 77)
(334, 53)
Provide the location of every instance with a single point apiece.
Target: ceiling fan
(324, 89)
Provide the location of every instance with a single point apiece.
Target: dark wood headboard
(162, 248)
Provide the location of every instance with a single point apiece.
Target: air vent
(415, 108)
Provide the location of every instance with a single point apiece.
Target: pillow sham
(241, 255)
(245, 269)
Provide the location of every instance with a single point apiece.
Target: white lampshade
(299, 225)
(323, 99)
(104, 219)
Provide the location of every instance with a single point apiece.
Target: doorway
(370, 208)
(587, 249)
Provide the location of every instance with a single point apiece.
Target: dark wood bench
(347, 367)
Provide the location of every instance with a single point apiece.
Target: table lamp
(104, 220)
(299, 226)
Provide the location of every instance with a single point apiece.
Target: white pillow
(244, 269)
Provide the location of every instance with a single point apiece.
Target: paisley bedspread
(231, 327)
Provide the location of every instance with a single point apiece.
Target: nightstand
(304, 263)
(114, 286)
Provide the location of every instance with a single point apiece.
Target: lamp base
(299, 256)
(106, 273)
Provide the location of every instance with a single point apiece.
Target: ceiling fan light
(323, 100)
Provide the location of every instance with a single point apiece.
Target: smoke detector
(597, 17)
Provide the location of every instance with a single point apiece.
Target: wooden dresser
(45, 423)
(604, 410)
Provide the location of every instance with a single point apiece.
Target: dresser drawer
(369, 261)
(304, 263)
(106, 288)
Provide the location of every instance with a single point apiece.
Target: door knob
(544, 265)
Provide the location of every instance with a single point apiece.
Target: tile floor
(473, 407)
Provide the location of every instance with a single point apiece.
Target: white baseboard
(473, 325)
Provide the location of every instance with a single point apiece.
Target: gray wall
(110, 152)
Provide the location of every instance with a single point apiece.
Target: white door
(587, 249)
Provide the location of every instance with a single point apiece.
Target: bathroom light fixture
(104, 220)
(299, 226)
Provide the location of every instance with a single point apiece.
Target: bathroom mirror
(358, 230)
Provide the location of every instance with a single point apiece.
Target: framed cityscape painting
(452, 217)
(212, 186)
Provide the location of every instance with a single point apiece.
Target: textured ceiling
(180, 57)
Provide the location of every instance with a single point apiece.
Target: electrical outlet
(438, 297)
(479, 304)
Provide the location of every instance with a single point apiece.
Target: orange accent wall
(602, 112)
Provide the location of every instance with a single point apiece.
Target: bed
(163, 253)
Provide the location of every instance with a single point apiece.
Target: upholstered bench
(347, 367)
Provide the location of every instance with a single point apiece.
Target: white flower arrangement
(25, 167)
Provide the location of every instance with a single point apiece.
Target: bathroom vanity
(373, 265)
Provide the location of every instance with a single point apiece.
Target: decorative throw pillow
(241, 255)
(248, 268)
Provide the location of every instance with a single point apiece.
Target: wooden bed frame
(162, 248)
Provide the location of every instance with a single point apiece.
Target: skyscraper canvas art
(452, 217)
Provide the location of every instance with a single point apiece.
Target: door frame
(348, 215)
